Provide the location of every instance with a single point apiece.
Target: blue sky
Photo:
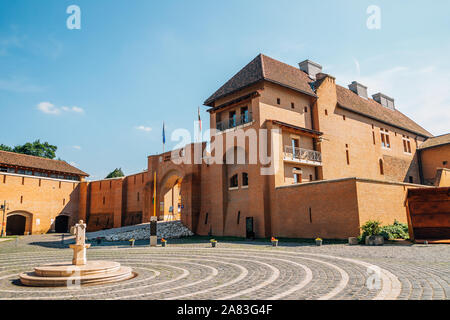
(101, 93)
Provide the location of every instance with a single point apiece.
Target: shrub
(397, 230)
(370, 228)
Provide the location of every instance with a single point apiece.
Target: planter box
(163, 244)
(274, 243)
(213, 244)
(353, 241)
(319, 242)
(374, 241)
(131, 243)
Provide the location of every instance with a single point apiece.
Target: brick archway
(167, 173)
(19, 222)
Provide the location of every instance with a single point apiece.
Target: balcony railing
(234, 122)
(302, 155)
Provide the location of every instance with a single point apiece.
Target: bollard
(62, 239)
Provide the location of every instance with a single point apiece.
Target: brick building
(292, 154)
(41, 194)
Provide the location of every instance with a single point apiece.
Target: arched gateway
(18, 223)
(177, 186)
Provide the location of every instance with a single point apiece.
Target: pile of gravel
(166, 230)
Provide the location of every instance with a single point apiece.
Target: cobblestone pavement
(240, 270)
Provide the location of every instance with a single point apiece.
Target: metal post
(3, 219)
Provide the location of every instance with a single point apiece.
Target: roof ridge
(30, 155)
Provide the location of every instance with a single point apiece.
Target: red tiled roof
(26, 161)
(436, 141)
(265, 68)
(347, 99)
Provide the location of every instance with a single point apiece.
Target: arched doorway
(170, 206)
(62, 224)
(15, 225)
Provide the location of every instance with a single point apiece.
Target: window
(21, 199)
(20, 171)
(297, 175)
(381, 167)
(60, 184)
(343, 117)
(234, 181)
(4, 179)
(310, 177)
(245, 179)
(444, 163)
(138, 197)
(385, 141)
(278, 101)
(310, 215)
(134, 181)
(3, 169)
(238, 217)
(326, 112)
(411, 179)
(373, 137)
(406, 144)
(348, 157)
(292, 105)
(29, 172)
(232, 119)
(244, 115)
(206, 218)
(103, 200)
(306, 109)
(64, 202)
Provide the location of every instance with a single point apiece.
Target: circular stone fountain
(80, 271)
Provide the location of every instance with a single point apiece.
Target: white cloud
(49, 108)
(420, 93)
(73, 109)
(144, 128)
(77, 147)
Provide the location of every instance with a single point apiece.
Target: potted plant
(213, 243)
(163, 242)
(131, 242)
(274, 242)
(372, 233)
(319, 242)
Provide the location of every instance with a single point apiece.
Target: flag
(199, 119)
(164, 135)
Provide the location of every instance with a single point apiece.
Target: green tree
(117, 173)
(36, 148)
(5, 148)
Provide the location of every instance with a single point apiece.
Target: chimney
(359, 89)
(311, 68)
(384, 100)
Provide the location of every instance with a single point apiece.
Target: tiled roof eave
(211, 100)
(290, 87)
(434, 146)
(383, 121)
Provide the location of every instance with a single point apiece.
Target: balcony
(234, 122)
(302, 156)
